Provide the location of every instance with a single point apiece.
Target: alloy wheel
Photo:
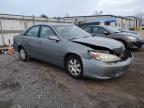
(74, 67)
(22, 54)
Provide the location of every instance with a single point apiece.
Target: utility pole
(33, 19)
(2, 32)
(25, 25)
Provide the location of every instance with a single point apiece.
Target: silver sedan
(74, 49)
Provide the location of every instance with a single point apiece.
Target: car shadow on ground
(58, 70)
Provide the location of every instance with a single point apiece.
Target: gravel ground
(36, 84)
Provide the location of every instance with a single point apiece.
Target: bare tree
(140, 15)
(43, 16)
(96, 12)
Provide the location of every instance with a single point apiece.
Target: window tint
(46, 32)
(88, 29)
(71, 32)
(98, 30)
(33, 32)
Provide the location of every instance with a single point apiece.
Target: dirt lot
(35, 84)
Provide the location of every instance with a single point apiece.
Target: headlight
(104, 56)
(132, 38)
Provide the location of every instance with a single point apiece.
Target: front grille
(118, 51)
(125, 55)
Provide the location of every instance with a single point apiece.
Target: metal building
(124, 23)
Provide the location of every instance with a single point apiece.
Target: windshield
(71, 32)
(112, 29)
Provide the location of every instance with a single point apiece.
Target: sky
(59, 8)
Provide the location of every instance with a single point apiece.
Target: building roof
(88, 16)
(134, 17)
(98, 16)
(105, 20)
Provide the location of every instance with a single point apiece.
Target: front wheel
(74, 66)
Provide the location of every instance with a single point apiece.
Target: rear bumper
(101, 70)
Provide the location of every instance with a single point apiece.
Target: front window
(71, 32)
(112, 29)
(46, 32)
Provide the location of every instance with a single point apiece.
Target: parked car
(71, 47)
(129, 39)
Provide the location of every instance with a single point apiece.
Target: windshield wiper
(117, 32)
(78, 37)
(72, 38)
(85, 36)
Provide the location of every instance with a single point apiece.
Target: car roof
(95, 25)
(54, 25)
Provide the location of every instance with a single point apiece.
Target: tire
(74, 66)
(23, 54)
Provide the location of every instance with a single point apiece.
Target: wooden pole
(2, 32)
(25, 25)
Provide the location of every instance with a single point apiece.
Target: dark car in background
(129, 39)
(71, 47)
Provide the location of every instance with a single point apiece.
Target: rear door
(32, 41)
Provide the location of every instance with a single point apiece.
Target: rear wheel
(23, 54)
(74, 66)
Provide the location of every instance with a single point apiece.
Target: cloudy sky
(72, 7)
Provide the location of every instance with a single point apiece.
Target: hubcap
(22, 54)
(74, 67)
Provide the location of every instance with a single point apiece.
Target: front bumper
(101, 70)
(138, 44)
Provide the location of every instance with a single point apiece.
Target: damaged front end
(106, 54)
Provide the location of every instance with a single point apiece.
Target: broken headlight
(105, 57)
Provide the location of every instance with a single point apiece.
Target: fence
(11, 25)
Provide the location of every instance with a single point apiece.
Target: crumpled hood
(138, 36)
(100, 41)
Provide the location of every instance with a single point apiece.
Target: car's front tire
(23, 54)
(74, 66)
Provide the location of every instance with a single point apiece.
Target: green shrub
(135, 28)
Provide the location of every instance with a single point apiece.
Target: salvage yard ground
(36, 84)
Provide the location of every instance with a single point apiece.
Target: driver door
(50, 49)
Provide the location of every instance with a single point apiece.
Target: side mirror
(93, 34)
(106, 33)
(53, 38)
